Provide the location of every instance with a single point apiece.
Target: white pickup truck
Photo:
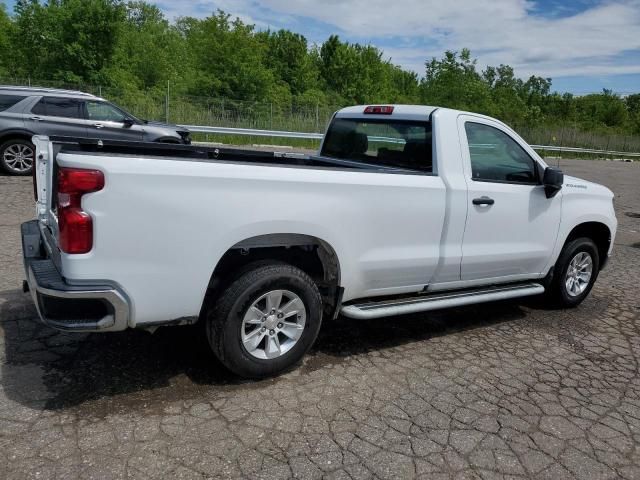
(404, 209)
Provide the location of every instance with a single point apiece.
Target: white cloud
(499, 31)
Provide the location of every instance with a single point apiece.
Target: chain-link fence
(224, 112)
(571, 136)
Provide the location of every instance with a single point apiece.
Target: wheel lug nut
(280, 325)
(279, 315)
(262, 329)
(272, 332)
(273, 311)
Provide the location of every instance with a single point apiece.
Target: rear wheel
(575, 272)
(16, 156)
(265, 321)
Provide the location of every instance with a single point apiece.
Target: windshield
(391, 143)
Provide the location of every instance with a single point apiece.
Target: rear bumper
(87, 308)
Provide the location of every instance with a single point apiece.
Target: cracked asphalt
(503, 390)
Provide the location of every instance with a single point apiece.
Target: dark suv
(26, 111)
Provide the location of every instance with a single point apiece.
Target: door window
(496, 157)
(40, 108)
(58, 107)
(104, 112)
(8, 101)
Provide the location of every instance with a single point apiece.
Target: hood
(585, 187)
(171, 126)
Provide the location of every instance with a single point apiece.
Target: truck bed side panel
(161, 225)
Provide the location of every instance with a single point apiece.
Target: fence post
(271, 116)
(166, 105)
(317, 117)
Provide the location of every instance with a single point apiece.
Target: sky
(583, 45)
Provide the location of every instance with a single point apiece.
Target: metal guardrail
(254, 132)
(551, 148)
(319, 136)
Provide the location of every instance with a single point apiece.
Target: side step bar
(436, 301)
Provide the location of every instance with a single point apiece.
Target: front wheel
(16, 156)
(265, 321)
(575, 272)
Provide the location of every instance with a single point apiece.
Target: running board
(436, 301)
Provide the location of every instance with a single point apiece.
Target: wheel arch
(599, 232)
(15, 134)
(314, 256)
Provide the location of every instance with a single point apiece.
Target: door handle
(98, 125)
(483, 201)
(37, 119)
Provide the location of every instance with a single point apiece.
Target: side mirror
(552, 180)
(127, 123)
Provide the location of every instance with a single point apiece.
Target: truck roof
(406, 112)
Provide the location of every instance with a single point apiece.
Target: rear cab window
(8, 101)
(404, 144)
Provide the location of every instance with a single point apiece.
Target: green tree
(602, 109)
(288, 58)
(454, 82)
(149, 51)
(70, 40)
(229, 58)
(7, 58)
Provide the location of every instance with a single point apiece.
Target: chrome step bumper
(86, 308)
(438, 301)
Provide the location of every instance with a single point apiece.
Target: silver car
(26, 111)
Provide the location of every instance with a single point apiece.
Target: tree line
(134, 47)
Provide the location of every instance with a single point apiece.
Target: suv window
(496, 157)
(58, 107)
(8, 101)
(104, 112)
(392, 143)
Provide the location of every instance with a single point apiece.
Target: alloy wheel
(579, 274)
(273, 324)
(18, 157)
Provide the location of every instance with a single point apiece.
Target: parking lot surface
(503, 390)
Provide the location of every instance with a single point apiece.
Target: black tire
(224, 318)
(14, 167)
(558, 292)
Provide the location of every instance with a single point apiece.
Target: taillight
(379, 109)
(74, 224)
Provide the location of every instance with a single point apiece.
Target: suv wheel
(16, 157)
(265, 321)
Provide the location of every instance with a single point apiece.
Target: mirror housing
(552, 180)
(127, 123)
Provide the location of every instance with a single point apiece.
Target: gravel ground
(500, 390)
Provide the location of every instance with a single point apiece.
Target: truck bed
(203, 153)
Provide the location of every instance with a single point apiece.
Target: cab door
(511, 226)
(57, 116)
(106, 121)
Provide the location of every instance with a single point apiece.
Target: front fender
(582, 204)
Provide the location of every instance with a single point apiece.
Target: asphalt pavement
(504, 390)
